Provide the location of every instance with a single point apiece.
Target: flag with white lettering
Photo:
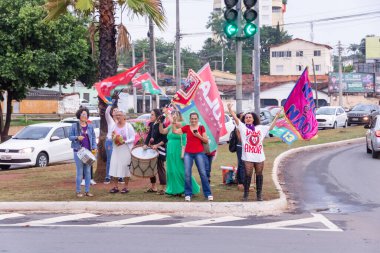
(300, 108)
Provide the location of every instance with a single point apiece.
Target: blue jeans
(200, 162)
(240, 169)
(109, 147)
(81, 167)
(208, 164)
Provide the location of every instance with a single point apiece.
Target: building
(271, 11)
(292, 57)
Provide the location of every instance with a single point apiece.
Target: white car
(37, 145)
(331, 117)
(94, 120)
(230, 126)
(372, 136)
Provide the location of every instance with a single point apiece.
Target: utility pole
(178, 49)
(340, 75)
(134, 88)
(143, 102)
(312, 31)
(315, 83)
(173, 66)
(239, 74)
(222, 58)
(153, 62)
(256, 74)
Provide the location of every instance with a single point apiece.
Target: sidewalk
(241, 209)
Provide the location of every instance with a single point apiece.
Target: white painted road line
(57, 219)
(205, 222)
(124, 222)
(317, 218)
(10, 215)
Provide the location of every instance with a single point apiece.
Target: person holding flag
(252, 135)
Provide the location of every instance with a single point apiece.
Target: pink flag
(300, 108)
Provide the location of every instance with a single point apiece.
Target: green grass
(56, 183)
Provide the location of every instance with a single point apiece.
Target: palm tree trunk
(108, 67)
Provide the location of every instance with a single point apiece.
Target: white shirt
(110, 122)
(130, 134)
(252, 142)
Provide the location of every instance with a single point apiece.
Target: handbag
(206, 146)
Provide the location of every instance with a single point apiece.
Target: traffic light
(230, 15)
(249, 15)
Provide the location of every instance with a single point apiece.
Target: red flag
(105, 86)
(184, 96)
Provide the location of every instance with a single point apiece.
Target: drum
(86, 156)
(144, 162)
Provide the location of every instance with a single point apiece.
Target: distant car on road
(361, 114)
(373, 137)
(230, 126)
(331, 117)
(37, 145)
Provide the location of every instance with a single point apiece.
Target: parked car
(331, 117)
(37, 145)
(266, 116)
(360, 113)
(230, 126)
(94, 120)
(373, 137)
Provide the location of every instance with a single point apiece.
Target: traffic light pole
(256, 73)
(239, 74)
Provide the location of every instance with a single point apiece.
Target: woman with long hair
(175, 168)
(123, 136)
(196, 136)
(252, 135)
(82, 135)
(157, 141)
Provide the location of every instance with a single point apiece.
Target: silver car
(373, 136)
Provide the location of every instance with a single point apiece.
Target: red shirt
(194, 144)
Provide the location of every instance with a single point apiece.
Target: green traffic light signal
(230, 29)
(250, 30)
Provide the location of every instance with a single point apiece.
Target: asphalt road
(336, 209)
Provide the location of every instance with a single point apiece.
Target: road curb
(212, 209)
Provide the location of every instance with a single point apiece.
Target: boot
(247, 184)
(259, 187)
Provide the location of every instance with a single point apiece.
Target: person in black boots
(252, 135)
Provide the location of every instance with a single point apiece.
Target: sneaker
(92, 182)
(121, 180)
(79, 194)
(114, 190)
(210, 198)
(87, 194)
(107, 181)
(187, 198)
(82, 183)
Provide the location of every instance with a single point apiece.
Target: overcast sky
(195, 13)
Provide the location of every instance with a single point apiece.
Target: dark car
(361, 114)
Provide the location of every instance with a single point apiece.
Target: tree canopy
(34, 53)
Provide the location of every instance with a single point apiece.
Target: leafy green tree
(34, 53)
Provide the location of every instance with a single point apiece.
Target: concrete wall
(68, 104)
(350, 101)
(37, 106)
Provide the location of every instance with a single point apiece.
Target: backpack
(233, 141)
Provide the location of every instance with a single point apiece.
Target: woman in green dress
(175, 168)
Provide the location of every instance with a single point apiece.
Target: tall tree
(107, 41)
(34, 53)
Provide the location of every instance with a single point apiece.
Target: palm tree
(107, 40)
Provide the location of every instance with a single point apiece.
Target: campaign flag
(187, 92)
(300, 108)
(147, 82)
(284, 130)
(105, 86)
(207, 100)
